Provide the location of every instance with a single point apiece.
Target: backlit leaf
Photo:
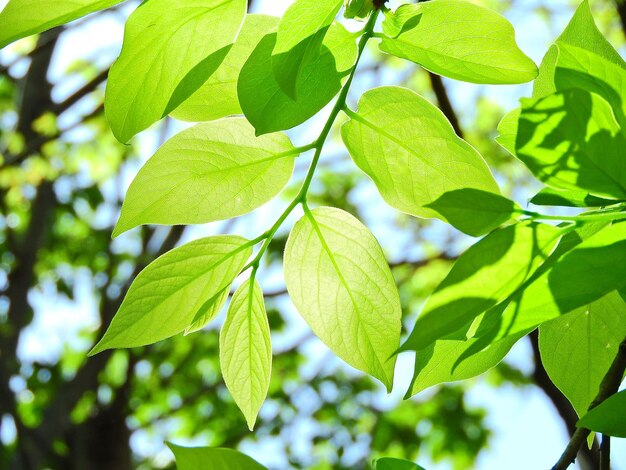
(246, 350)
(299, 40)
(339, 281)
(482, 277)
(608, 417)
(570, 140)
(217, 98)
(165, 297)
(212, 171)
(555, 197)
(411, 152)
(389, 463)
(170, 49)
(268, 108)
(457, 39)
(577, 349)
(21, 18)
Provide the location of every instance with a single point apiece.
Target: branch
(444, 102)
(610, 385)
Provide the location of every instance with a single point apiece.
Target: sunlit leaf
(299, 40)
(21, 18)
(411, 152)
(339, 281)
(165, 297)
(591, 270)
(570, 140)
(457, 39)
(212, 171)
(441, 362)
(169, 51)
(482, 277)
(268, 108)
(389, 463)
(577, 349)
(246, 350)
(208, 311)
(218, 96)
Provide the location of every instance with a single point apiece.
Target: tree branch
(610, 385)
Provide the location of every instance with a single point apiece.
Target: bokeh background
(62, 179)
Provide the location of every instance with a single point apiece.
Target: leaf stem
(318, 145)
(577, 218)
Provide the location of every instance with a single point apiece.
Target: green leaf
(358, 9)
(389, 463)
(217, 98)
(339, 281)
(473, 211)
(410, 150)
(482, 277)
(208, 311)
(442, 362)
(299, 40)
(608, 417)
(246, 350)
(268, 108)
(21, 18)
(165, 297)
(209, 172)
(588, 272)
(577, 349)
(457, 39)
(212, 458)
(581, 32)
(554, 197)
(169, 51)
(571, 140)
(508, 130)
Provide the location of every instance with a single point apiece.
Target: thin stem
(577, 218)
(609, 385)
(318, 145)
(605, 453)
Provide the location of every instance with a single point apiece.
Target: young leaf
(212, 171)
(457, 39)
(473, 211)
(268, 108)
(246, 350)
(482, 277)
(339, 281)
(508, 131)
(169, 51)
(21, 18)
(588, 272)
(299, 40)
(410, 150)
(570, 344)
(212, 458)
(165, 297)
(554, 197)
(358, 9)
(389, 463)
(608, 417)
(440, 362)
(208, 311)
(217, 98)
(570, 140)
